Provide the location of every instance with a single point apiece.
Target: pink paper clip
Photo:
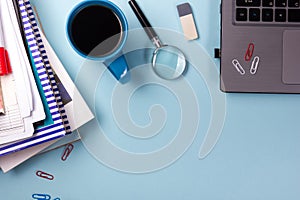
(44, 175)
(69, 148)
(249, 52)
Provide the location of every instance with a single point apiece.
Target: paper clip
(41, 196)
(56, 198)
(67, 152)
(254, 65)
(44, 175)
(238, 66)
(249, 52)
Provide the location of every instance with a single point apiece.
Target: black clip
(217, 53)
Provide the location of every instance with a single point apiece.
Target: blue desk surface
(257, 154)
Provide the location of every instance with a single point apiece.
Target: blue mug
(97, 30)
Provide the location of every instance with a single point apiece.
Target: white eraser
(187, 21)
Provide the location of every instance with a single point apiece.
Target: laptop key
(248, 3)
(294, 15)
(254, 14)
(241, 14)
(280, 15)
(267, 15)
(280, 3)
(268, 3)
(294, 3)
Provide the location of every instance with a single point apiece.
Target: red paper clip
(44, 175)
(249, 52)
(67, 152)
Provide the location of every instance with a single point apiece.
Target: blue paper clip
(56, 198)
(41, 196)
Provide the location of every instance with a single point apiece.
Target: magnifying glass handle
(145, 23)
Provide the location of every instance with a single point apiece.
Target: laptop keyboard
(267, 11)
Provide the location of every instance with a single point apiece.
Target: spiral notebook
(56, 124)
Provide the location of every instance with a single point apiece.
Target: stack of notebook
(37, 97)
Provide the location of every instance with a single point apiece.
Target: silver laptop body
(260, 46)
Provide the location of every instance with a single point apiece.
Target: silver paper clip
(238, 66)
(254, 65)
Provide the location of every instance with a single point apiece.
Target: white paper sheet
(8, 162)
(37, 112)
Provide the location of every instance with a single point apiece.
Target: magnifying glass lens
(168, 62)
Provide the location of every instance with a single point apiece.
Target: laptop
(260, 46)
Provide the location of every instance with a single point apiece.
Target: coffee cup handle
(119, 68)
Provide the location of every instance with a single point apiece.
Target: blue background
(256, 157)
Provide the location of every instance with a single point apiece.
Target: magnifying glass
(168, 62)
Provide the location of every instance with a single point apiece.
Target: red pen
(5, 67)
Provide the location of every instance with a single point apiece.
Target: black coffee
(91, 26)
